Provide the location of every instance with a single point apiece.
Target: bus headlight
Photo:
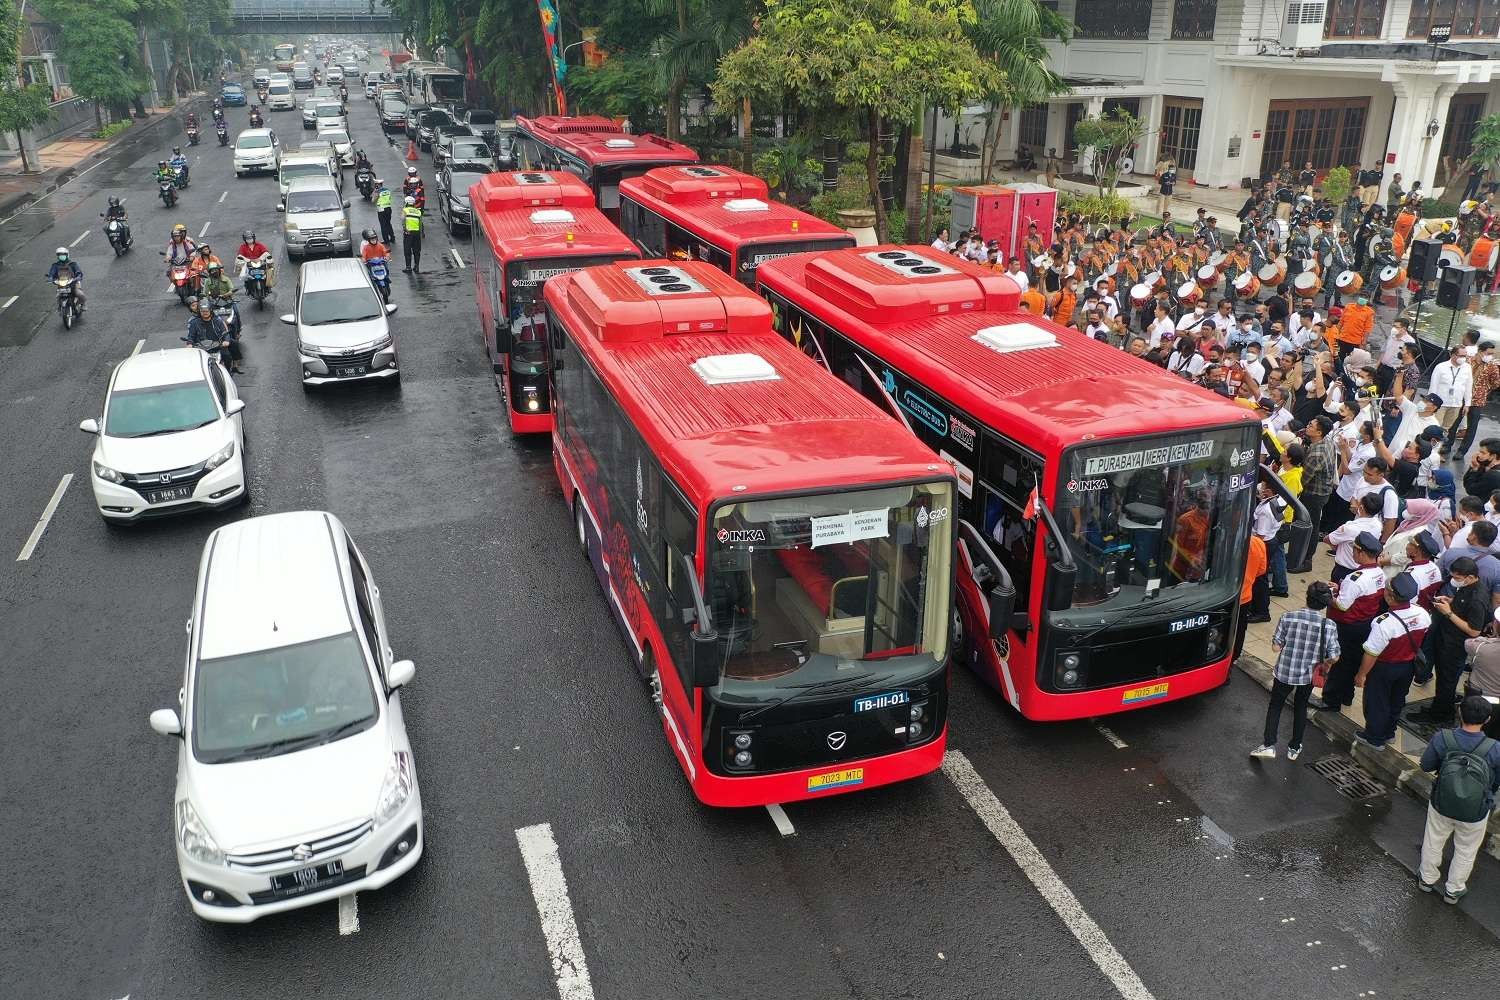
(742, 758)
(742, 741)
(1069, 670)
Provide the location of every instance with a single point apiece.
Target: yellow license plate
(1150, 692)
(836, 779)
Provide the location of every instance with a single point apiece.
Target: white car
(295, 778)
(335, 74)
(342, 331)
(279, 96)
(256, 151)
(343, 146)
(170, 440)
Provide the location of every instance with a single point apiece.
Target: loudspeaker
(1423, 265)
(1454, 286)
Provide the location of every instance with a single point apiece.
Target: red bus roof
(565, 226)
(954, 326)
(598, 141)
(530, 188)
(724, 206)
(791, 427)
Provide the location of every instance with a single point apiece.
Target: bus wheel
(583, 531)
(652, 676)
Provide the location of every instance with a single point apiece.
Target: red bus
(1126, 595)
(777, 550)
(720, 215)
(596, 149)
(529, 226)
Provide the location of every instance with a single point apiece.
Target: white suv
(295, 778)
(342, 333)
(256, 150)
(171, 438)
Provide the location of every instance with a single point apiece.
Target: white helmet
(410, 200)
(61, 252)
(411, 171)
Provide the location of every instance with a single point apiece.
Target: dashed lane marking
(998, 820)
(222, 197)
(456, 258)
(1114, 740)
(205, 228)
(80, 239)
(45, 519)
(348, 914)
(549, 887)
(779, 817)
(138, 345)
(10, 302)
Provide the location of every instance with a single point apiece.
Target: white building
(1231, 88)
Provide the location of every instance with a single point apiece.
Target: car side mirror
(390, 308)
(400, 673)
(235, 406)
(89, 426)
(281, 206)
(346, 204)
(166, 722)
(290, 319)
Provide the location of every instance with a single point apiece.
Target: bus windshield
(1167, 511)
(446, 86)
(527, 315)
(835, 587)
(756, 254)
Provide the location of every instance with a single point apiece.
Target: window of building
(1470, 18)
(1327, 132)
(1181, 120)
(1458, 133)
(1113, 18)
(1354, 18)
(1193, 20)
(1034, 127)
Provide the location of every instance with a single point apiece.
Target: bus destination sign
(1173, 454)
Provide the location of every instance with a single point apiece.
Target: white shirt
(1344, 536)
(1454, 382)
(940, 245)
(1256, 370)
(1095, 329)
(1279, 420)
(1392, 349)
(1266, 523)
(1294, 326)
(1224, 324)
(1333, 399)
(1162, 329)
(1020, 278)
(1386, 629)
(1192, 366)
(1349, 484)
(1192, 320)
(1461, 538)
(1390, 504)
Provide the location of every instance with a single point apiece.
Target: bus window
(683, 245)
(1008, 475)
(680, 537)
(645, 227)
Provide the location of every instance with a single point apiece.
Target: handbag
(1423, 668)
(1320, 671)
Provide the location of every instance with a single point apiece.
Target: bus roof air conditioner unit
(662, 279)
(908, 265)
(1303, 26)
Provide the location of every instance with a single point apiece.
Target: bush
(1106, 210)
(1439, 209)
(113, 129)
(1336, 184)
(895, 227)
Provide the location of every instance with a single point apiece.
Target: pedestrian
(1356, 603)
(1304, 640)
(1389, 660)
(1460, 612)
(1345, 538)
(383, 209)
(1482, 478)
(1319, 472)
(1255, 577)
(1266, 523)
(1467, 765)
(1453, 380)
(411, 233)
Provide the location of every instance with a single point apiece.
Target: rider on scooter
(179, 163)
(251, 250)
(65, 267)
(180, 248)
(216, 285)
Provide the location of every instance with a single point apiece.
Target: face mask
(1360, 380)
(1471, 350)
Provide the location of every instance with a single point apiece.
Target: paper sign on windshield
(838, 529)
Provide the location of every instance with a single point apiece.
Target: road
(1149, 858)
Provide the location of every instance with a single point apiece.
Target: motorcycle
(255, 279)
(118, 232)
(168, 192)
(223, 132)
(192, 135)
(67, 300)
(226, 311)
(256, 121)
(364, 179)
(180, 177)
(184, 282)
(261, 93)
(380, 277)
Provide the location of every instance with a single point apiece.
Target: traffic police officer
(383, 207)
(411, 235)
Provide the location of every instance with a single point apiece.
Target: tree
(1011, 32)
(21, 108)
(1336, 184)
(790, 166)
(861, 62)
(1486, 142)
(97, 42)
(1108, 139)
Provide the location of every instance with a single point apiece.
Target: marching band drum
(1247, 285)
(1140, 294)
(1349, 282)
(1307, 284)
(1392, 276)
(1272, 272)
(1188, 293)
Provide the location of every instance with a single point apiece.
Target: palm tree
(706, 30)
(1011, 32)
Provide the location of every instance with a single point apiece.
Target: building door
(1458, 133)
(1330, 133)
(1181, 118)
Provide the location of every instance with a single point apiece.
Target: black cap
(1434, 399)
(1367, 541)
(1403, 586)
(1428, 544)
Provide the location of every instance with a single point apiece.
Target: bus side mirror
(1000, 597)
(1060, 580)
(503, 338)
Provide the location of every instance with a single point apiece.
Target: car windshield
(832, 587)
(1168, 512)
(281, 700)
(481, 117)
(313, 201)
(329, 111)
(279, 88)
(470, 150)
(524, 307)
(340, 305)
(232, 88)
(253, 141)
(391, 107)
(161, 409)
(464, 180)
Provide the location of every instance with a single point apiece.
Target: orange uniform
(1354, 325)
(1034, 302)
(1062, 313)
(1255, 567)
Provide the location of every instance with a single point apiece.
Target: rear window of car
(481, 118)
(279, 88)
(253, 141)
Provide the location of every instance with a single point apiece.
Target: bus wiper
(830, 685)
(1137, 608)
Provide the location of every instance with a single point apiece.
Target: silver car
(317, 219)
(342, 332)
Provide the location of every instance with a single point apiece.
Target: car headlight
(291, 227)
(219, 457)
(382, 343)
(395, 789)
(107, 474)
(341, 224)
(194, 837)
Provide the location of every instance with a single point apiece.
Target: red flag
(1031, 501)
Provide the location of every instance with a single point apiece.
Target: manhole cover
(1352, 781)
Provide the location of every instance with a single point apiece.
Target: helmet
(204, 250)
(179, 230)
(369, 235)
(114, 202)
(62, 253)
(411, 171)
(161, 163)
(380, 182)
(410, 200)
(176, 150)
(248, 236)
(205, 306)
(214, 265)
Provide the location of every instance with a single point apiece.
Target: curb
(26, 199)
(1392, 767)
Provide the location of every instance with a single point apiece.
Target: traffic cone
(411, 150)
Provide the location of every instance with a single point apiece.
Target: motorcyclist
(179, 164)
(256, 121)
(373, 248)
(203, 257)
(180, 248)
(216, 285)
(209, 333)
(362, 162)
(191, 120)
(218, 113)
(164, 173)
(116, 213)
(64, 267)
(252, 249)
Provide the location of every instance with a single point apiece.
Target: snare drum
(1216, 260)
(1272, 272)
(1188, 293)
(1349, 282)
(1307, 284)
(1208, 276)
(1247, 285)
(1155, 280)
(1392, 276)
(1140, 294)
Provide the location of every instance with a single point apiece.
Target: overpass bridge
(311, 17)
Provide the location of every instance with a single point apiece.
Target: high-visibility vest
(383, 200)
(413, 218)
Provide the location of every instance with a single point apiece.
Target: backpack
(1400, 504)
(1464, 780)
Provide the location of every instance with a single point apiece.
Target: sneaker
(1292, 753)
(1323, 705)
(1364, 737)
(1426, 886)
(1453, 897)
(1264, 752)
(1258, 619)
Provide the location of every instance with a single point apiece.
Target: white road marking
(1008, 832)
(779, 817)
(80, 239)
(549, 887)
(222, 197)
(138, 345)
(456, 258)
(42, 522)
(1114, 740)
(205, 228)
(348, 914)
(10, 302)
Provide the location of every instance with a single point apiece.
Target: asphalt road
(1148, 859)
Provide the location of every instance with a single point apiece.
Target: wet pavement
(1149, 858)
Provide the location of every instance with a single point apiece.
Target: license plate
(306, 879)
(836, 779)
(168, 495)
(1148, 693)
(887, 699)
(257, 274)
(353, 370)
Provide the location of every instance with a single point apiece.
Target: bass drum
(1392, 276)
(1349, 282)
(1450, 256)
(1155, 280)
(1208, 276)
(1272, 272)
(1188, 293)
(1307, 284)
(1247, 285)
(1140, 294)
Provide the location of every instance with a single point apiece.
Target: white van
(279, 97)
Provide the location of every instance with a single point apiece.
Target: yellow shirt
(1292, 477)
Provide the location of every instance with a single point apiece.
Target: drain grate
(1352, 781)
